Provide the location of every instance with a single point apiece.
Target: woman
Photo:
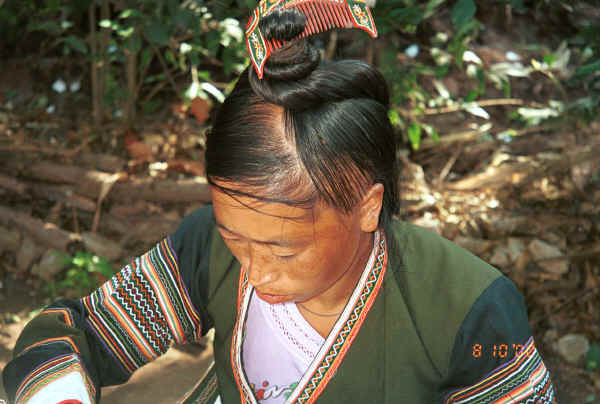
(314, 291)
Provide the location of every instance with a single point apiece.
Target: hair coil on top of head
(319, 15)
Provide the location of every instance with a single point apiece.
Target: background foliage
(132, 56)
(143, 47)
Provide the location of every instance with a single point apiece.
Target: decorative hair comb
(321, 15)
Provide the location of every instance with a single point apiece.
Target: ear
(370, 208)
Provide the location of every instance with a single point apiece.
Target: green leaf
(472, 96)
(394, 117)
(407, 15)
(195, 60)
(414, 134)
(463, 12)
(130, 13)
(105, 23)
(431, 7)
(48, 26)
(145, 58)
(65, 25)
(587, 69)
(125, 32)
(151, 106)
(74, 43)
(170, 57)
(549, 58)
(157, 33)
(592, 362)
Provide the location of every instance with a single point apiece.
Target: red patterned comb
(321, 16)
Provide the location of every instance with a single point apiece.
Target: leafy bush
(84, 272)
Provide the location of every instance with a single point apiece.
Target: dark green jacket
(443, 322)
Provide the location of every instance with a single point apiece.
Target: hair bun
(293, 77)
(293, 62)
(282, 24)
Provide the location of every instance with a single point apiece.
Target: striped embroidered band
(145, 307)
(321, 16)
(523, 380)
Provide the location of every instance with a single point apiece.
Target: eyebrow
(282, 243)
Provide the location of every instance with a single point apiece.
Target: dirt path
(163, 381)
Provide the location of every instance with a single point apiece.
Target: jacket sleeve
(494, 358)
(156, 300)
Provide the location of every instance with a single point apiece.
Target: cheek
(317, 264)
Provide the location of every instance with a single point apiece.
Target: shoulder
(494, 353)
(439, 282)
(195, 230)
(432, 259)
(198, 221)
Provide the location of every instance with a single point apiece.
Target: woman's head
(308, 132)
(302, 170)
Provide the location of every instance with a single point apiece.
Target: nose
(257, 267)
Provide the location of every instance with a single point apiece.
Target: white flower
(59, 86)
(50, 109)
(75, 86)
(476, 110)
(185, 48)
(512, 56)
(412, 51)
(470, 56)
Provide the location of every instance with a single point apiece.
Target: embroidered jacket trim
(143, 308)
(50, 371)
(523, 380)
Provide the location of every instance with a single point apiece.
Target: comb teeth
(309, 30)
(274, 45)
(337, 15)
(321, 16)
(317, 16)
(328, 14)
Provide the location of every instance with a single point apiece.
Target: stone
(500, 257)
(550, 337)
(540, 251)
(589, 208)
(557, 240)
(595, 379)
(51, 263)
(27, 254)
(475, 245)
(9, 239)
(572, 347)
(515, 248)
(429, 222)
(102, 246)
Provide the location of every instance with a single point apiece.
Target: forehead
(271, 221)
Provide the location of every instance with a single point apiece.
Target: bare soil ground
(162, 381)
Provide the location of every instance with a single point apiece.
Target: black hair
(308, 131)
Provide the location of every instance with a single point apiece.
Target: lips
(273, 299)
